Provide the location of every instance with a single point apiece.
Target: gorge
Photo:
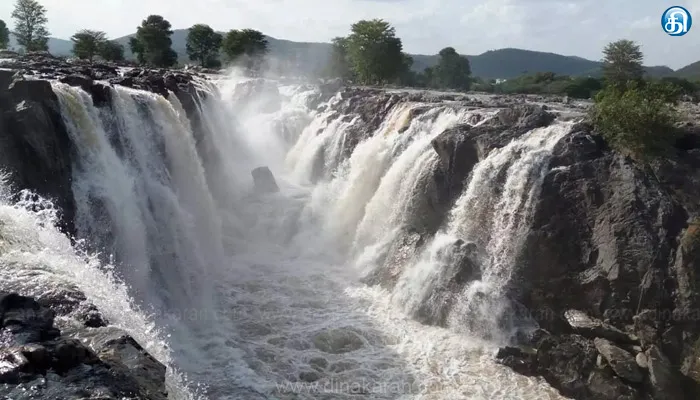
(406, 244)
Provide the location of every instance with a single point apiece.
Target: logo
(676, 21)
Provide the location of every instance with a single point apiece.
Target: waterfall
(248, 293)
(494, 213)
(141, 193)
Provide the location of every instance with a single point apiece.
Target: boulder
(593, 328)
(264, 181)
(622, 362)
(566, 362)
(665, 380)
(37, 356)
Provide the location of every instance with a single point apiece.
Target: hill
(691, 71)
(310, 57)
(509, 63)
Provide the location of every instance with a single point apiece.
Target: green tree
(374, 52)
(111, 51)
(4, 35)
(86, 43)
(637, 119)
(338, 64)
(30, 25)
(248, 45)
(452, 71)
(203, 45)
(152, 43)
(622, 62)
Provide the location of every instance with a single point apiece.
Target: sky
(569, 27)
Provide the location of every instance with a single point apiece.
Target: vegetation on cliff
(636, 117)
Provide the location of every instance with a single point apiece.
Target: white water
(256, 294)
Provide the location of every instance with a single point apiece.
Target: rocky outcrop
(35, 149)
(461, 147)
(264, 181)
(604, 269)
(37, 360)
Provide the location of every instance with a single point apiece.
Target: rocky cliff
(608, 268)
(42, 355)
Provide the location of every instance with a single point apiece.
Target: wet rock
(338, 341)
(36, 149)
(81, 81)
(603, 385)
(69, 353)
(592, 234)
(459, 263)
(593, 328)
(566, 362)
(665, 381)
(25, 319)
(621, 361)
(309, 376)
(318, 363)
(12, 364)
(264, 180)
(52, 364)
(520, 361)
(129, 358)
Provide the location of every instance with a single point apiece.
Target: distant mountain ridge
(310, 57)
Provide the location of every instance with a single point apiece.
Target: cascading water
(259, 296)
(493, 213)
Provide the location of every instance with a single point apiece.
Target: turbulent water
(249, 296)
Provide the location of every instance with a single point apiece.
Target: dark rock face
(606, 259)
(35, 147)
(38, 361)
(461, 147)
(264, 180)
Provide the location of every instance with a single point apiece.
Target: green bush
(637, 120)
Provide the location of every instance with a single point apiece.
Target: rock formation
(37, 360)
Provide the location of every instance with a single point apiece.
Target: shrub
(637, 120)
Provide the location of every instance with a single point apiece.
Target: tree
(638, 119)
(374, 52)
(338, 66)
(86, 43)
(30, 25)
(111, 51)
(4, 35)
(247, 43)
(152, 42)
(203, 45)
(622, 62)
(452, 71)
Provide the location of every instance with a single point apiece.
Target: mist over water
(253, 296)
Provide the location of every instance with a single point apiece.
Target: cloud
(571, 27)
